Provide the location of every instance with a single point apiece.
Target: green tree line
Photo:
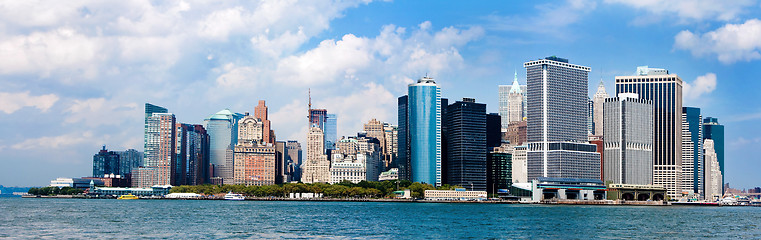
(345, 189)
(55, 191)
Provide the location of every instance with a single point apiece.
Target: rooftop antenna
(310, 98)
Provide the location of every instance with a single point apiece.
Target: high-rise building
(590, 117)
(715, 131)
(515, 102)
(222, 128)
(283, 171)
(423, 123)
(192, 150)
(403, 140)
(557, 121)
(356, 159)
(665, 92)
(598, 108)
(254, 158)
(504, 105)
(316, 168)
(713, 174)
(519, 164)
(466, 144)
(493, 131)
(391, 148)
(160, 142)
(331, 131)
(261, 112)
(692, 151)
(499, 173)
(293, 148)
(628, 140)
(129, 160)
(105, 162)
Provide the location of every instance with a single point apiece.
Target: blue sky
(74, 75)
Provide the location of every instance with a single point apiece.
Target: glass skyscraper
(424, 131)
(466, 144)
(222, 128)
(331, 131)
(715, 131)
(403, 143)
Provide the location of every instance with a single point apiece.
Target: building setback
(255, 158)
(466, 144)
(628, 140)
(557, 121)
(715, 131)
(665, 92)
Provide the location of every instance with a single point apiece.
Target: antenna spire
(310, 99)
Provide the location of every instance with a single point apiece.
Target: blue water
(183, 219)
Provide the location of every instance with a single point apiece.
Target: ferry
(234, 196)
(127, 197)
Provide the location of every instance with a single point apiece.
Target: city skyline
(68, 89)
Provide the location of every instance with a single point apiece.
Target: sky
(75, 75)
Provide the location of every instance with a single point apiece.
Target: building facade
(105, 162)
(692, 151)
(516, 133)
(192, 150)
(316, 168)
(222, 128)
(499, 174)
(466, 144)
(254, 158)
(128, 160)
(665, 92)
(519, 164)
(424, 125)
(715, 131)
(403, 143)
(557, 121)
(628, 140)
(598, 102)
(160, 145)
(294, 154)
(713, 174)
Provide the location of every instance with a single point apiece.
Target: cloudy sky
(74, 75)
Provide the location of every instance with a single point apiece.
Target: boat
(128, 197)
(234, 196)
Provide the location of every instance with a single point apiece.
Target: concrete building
(598, 101)
(80, 183)
(254, 158)
(128, 160)
(557, 121)
(515, 102)
(499, 174)
(713, 174)
(519, 164)
(635, 192)
(420, 148)
(294, 154)
(516, 133)
(715, 131)
(692, 151)
(553, 189)
(192, 150)
(628, 140)
(222, 128)
(386, 135)
(665, 91)
(316, 168)
(466, 144)
(105, 162)
(160, 146)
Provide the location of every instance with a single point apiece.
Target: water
(185, 219)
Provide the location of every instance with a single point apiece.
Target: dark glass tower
(499, 171)
(465, 122)
(715, 131)
(403, 159)
(105, 162)
(692, 141)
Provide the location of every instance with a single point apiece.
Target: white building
(390, 175)
(598, 105)
(454, 195)
(520, 168)
(316, 168)
(713, 182)
(628, 140)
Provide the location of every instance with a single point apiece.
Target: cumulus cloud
(58, 142)
(550, 19)
(702, 85)
(730, 43)
(12, 102)
(688, 10)
(100, 111)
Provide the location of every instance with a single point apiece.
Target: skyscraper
(692, 150)
(515, 102)
(504, 105)
(557, 121)
(466, 144)
(665, 91)
(597, 108)
(254, 157)
(192, 150)
(424, 122)
(160, 143)
(261, 112)
(129, 160)
(628, 140)
(105, 162)
(715, 131)
(403, 141)
(316, 168)
(222, 128)
(331, 131)
(293, 148)
(714, 182)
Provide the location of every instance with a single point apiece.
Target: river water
(189, 219)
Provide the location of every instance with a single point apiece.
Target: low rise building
(80, 183)
(632, 192)
(459, 194)
(544, 189)
(154, 191)
(390, 175)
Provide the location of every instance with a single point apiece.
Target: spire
(601, 93)
(516, 88)
(310, 98)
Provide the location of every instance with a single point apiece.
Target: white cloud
(99, 111)
(12, 102)
(551, 18)
(329, 61)
(61, 48)
(730, 43)
(702, 85)
(58, 142)
(688, 10)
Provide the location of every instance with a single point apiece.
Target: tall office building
(493, 131)
(665, 91)
(293, 148)
(515, 102)
(557, 121)
(403, 142)
(331, 131)
(129, 160)
(715, 131)
(628, 140)
(192, 150)
(466, 144)
(222, 128)
(504, 105)
(283, 169)
(254, 158)
(714, 182)
(316, 168)
(105, 162)
(160, 142)
(597, 108)
(692, 151)
(391, 148)
(519, 164)
(261, 112)
(422, 125)
(590, 117)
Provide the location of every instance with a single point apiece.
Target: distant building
(128, 160)
(519, 164)
(713, 173)
(715, 131)
(160, 146)
(153, 191)
(499, 174)
(331, 132)
(357, 159)
(515, 103)
(261, 112)
(390, 175)
(79, 183)
(421, 139)
(105, 162)
(283, 172)
(665, 92)
(403, 139)
(598, 104)
(516, 133)
(192, 150)
(466, 144)
(316, 168)
(454, 195)
(391, 150)
(294, 155)
(557, 121)
(692, 151)
(254, 158)
(223, 135)
(628, 140)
